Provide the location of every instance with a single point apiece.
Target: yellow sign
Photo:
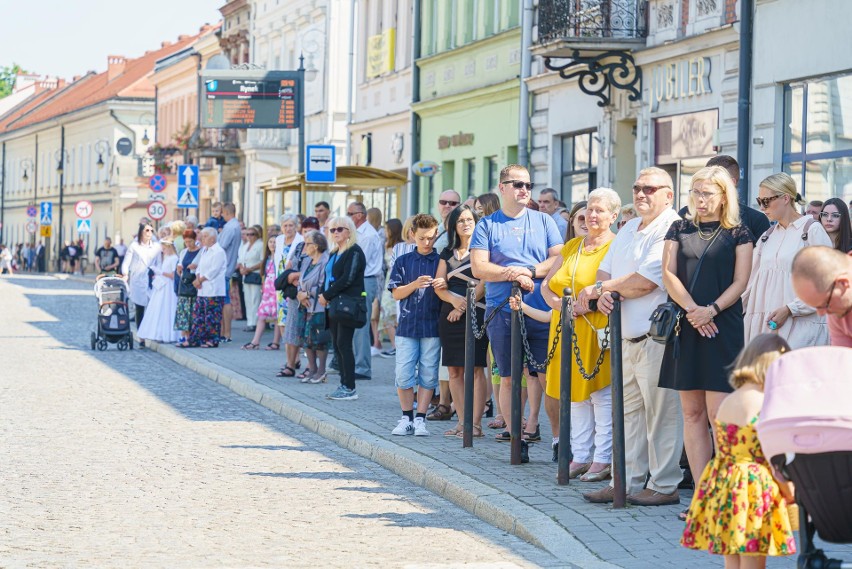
(381, 49)
(46, 231)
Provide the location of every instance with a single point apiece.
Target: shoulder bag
(665, 320)
(349, 310)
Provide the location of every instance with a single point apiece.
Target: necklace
(708, 236)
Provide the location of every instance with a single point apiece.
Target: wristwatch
(531, 269)
(599, 288)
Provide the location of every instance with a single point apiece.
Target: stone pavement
(524, 500)
(126, 459)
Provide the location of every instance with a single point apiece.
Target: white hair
(608, 196)
(191, 219)
(289, 218)
(210, 232)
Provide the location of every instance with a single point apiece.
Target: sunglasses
(147, 229)
(829, 215)
(647, 190)
(764, 202)
(351, 213)
(337, 229)
(448, 202)
(518, 184)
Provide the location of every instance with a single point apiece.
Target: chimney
(115, 67)
(165, 44)
(60, 82)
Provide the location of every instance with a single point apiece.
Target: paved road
(127, 459)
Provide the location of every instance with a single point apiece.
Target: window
(493, 173)
(818, 137)
(470, 173)
(579, 159)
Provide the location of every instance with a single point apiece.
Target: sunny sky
(70, 37)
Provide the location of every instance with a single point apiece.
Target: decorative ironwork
(598, 73)
(560, 19)
(706, 7)
(665, 16)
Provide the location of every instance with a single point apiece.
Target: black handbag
(665, 320)
(252, 279)
(349, 310)
(185, 287)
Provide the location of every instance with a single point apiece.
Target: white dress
(158, 324)
(770, 286)
(138, 259)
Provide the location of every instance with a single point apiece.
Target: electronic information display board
(250, 99)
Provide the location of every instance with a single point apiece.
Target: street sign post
(83, 209)
(32, 227)
(84, 226)
(46, 217)
(32, 211)
(156, 210)
(187, 185)
(321, 166)
(157, 182)
(124, 146)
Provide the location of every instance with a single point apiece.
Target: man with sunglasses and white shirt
(633, 267)
(515, 243)
(447, 202)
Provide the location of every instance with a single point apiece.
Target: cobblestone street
(126, 459)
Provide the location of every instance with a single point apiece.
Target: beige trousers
(653, 422)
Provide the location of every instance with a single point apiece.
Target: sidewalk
(523, 500)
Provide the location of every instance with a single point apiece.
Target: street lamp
(61, 156)
(27, 165)
(101, 147)
(147, 122)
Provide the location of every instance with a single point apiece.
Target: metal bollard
(618, 459)
(565, 455)
(469, 365)
(517, 372)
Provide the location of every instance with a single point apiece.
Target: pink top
(840, 330)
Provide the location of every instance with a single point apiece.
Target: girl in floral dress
(267, 312)
(739, 509)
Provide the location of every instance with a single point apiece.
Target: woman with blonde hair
(770, 302)
(178, 227)
(706, 266)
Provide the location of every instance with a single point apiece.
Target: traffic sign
(83, 209)
(124, 146)
(156, 210)
(84, 226)
(46, 213)
(187, 185)
(32, 226)
(157, 182)
(321, 166)
(46, 231)
(32, 211)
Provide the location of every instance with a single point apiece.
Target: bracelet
(716, 308)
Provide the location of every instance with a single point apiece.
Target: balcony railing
(603, 19)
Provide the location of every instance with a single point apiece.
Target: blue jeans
(417, 361)
(363, 355)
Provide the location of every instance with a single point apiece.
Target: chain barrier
(479, 333)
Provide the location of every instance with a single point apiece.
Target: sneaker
(420, 427)
(555, 447)
(391, 353)
(374, 351)
(343, 394)
(404, 427)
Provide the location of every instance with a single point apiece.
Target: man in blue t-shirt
(515, 244)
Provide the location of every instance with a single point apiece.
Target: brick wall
(730, 11)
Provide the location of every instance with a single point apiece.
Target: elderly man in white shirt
(210, 281)
(371, 244)
(653, 425)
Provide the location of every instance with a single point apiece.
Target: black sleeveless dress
(452, 334)
(703, 363)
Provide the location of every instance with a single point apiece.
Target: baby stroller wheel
(102, 345)
(94, 340)
(121, 345)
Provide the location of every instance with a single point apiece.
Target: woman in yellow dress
(591, 402)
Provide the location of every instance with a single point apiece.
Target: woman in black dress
(711, 329)
(450, 285)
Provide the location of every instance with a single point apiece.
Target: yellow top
(585, 274)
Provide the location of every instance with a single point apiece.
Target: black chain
(531, 361)
(479, 333)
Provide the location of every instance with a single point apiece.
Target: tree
(8, 75)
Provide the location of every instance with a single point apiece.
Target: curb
(485, 502)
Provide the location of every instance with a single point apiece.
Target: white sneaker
(374, 351)
(404, 427)
(420, 427)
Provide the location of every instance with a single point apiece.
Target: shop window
(818, 136)
(579, 159)
(470, 175)
(493, 173)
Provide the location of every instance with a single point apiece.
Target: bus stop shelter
(350, 179)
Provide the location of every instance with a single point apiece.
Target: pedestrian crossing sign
(188, 197)
(84, 226)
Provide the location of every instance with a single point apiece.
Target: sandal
(497, 423)
(305, 375)
(441, 413)
(209, 345)
(272, 346)
(477, 432)
(683, 515)
(287, 371)
(533, 437)
(504, 437)
(251, 346)
(456, 431)
(489, 409)
(599, 476)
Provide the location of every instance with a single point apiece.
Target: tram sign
(250, 99)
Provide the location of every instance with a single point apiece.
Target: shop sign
(680, 80)
(380, 53)
(460, 139)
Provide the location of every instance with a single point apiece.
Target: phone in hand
(593, 305)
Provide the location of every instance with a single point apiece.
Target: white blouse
(138, 259)
(212, 262)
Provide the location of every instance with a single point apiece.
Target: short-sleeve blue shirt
(515, 242)
(419, 311)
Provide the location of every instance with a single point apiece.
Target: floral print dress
(737, 508)
(268, 309)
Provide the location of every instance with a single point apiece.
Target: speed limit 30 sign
(156, 210)
(83, 209)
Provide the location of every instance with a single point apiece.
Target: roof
(348, 177)
(131, 83)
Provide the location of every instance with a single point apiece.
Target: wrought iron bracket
(599, 73)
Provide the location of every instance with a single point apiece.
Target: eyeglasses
(351, 213)
(699, 195)
(337, 229)
(647, 190)
(147, 229)
(829, 215)
(448, 202)
(764, 202)
(309, 243)
(830, 296)
(518, 184)
(466, 220)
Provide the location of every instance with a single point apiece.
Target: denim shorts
(500, 337)
(227, 290)
(417, 362)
